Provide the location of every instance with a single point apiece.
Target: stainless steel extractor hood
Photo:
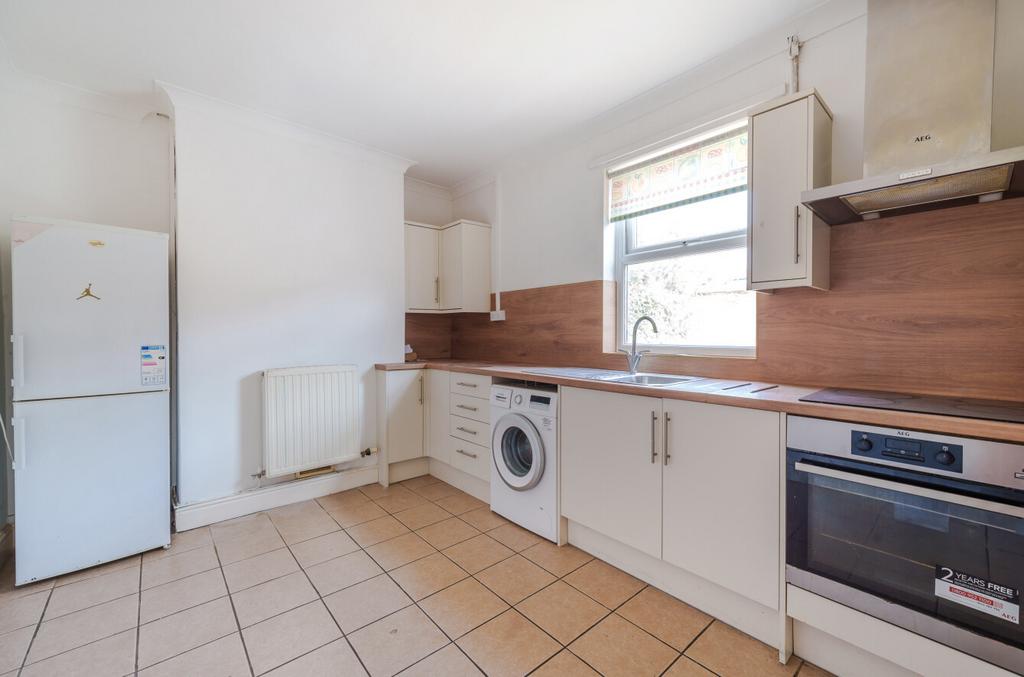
(927, 115)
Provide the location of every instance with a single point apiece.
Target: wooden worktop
(783, 398)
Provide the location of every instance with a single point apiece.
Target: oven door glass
(955, 556)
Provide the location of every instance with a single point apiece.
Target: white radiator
(310, 418)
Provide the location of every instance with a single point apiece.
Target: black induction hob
(991, 410)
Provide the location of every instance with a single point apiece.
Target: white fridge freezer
(91, 402)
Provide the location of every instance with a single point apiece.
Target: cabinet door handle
(466, 430)
(667, 456)
(421, 389)
(437, 290)
(796, 234)
(466, 453)
(467, 408)
(654, 434)
(18, 359)
(465, 385)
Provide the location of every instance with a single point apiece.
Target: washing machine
(524, 457)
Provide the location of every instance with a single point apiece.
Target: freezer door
(90, 310)
(91, 481)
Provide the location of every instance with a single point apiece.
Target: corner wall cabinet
(790, 151)
(448, 268)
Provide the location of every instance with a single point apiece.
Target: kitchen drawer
(471, 407)
(470, 458)
(473, 385)
(470, 430)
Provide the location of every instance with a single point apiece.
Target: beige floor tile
(514, 536)
(375, 531)
(562, 611)
(422, 515)
(559, 560)
(447, 533)
(608, 585)
(483, 519)
(436, 491)
(462, 607)
(240, 526)
(92, 591)
(428, 575)
(399, 551)
(665, 617)
(85, 626)
(185, 630)
(421, 481)
(332, 660)
(616, 647)
(342, 499)
(727, 651)
(356, 513)
(397, 641)
(110, 657)
(170, 598)
(302, 521)
(183, 541)
(477, 553)
(515, 578)
(508, 645)
(259, 569)
(98, 570)
(257, 542)
(564, 664)
(375, 491)
(19, 612)
(262, 601)
(460, 503)
(323, 548)
(341, 572)
(279, 639)
(13, 647)
(366, 602)
(224, 657)
(400, 500)
(449, 661)
(684, 667)
(811, 670)
(160, 571)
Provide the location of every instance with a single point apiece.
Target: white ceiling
(452, 84)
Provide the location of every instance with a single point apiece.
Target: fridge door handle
(18, 359)
(18, 425)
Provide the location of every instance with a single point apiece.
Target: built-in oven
(921, 530)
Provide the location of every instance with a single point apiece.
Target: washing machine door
(517, 452)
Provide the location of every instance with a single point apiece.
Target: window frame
(625, 256)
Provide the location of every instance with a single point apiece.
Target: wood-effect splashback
(928, 303)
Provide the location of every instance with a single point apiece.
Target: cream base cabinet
(790, 151)
(438, 404)
(721, 496)
(611, 465)
(400, 400)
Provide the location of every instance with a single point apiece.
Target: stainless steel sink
(650, 379)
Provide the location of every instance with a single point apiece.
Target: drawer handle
(465, 385)
(466, 430)
(466, 453)
(466, 407)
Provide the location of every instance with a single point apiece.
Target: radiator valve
(368, 451)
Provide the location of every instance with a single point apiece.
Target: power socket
(497, 315)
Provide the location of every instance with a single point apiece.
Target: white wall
(289, 252)
(551, 197)
(72, 154)
(427, 202)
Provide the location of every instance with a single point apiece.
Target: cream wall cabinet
(696, 485)
(611, 465)
(448, 268)
(400, 400)
(790, 151)
(721, 496)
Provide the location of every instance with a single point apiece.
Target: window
(681, 249)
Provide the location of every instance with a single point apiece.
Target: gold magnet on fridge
(87, 293)
(97, 243)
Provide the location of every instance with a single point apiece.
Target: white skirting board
(472, 485)
(738, 611)
(208, 512)
(405, 470)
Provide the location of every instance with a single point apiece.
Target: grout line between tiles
(35, 633)
(234, 611)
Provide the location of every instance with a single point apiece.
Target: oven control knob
(864, 444)
(945, 458)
